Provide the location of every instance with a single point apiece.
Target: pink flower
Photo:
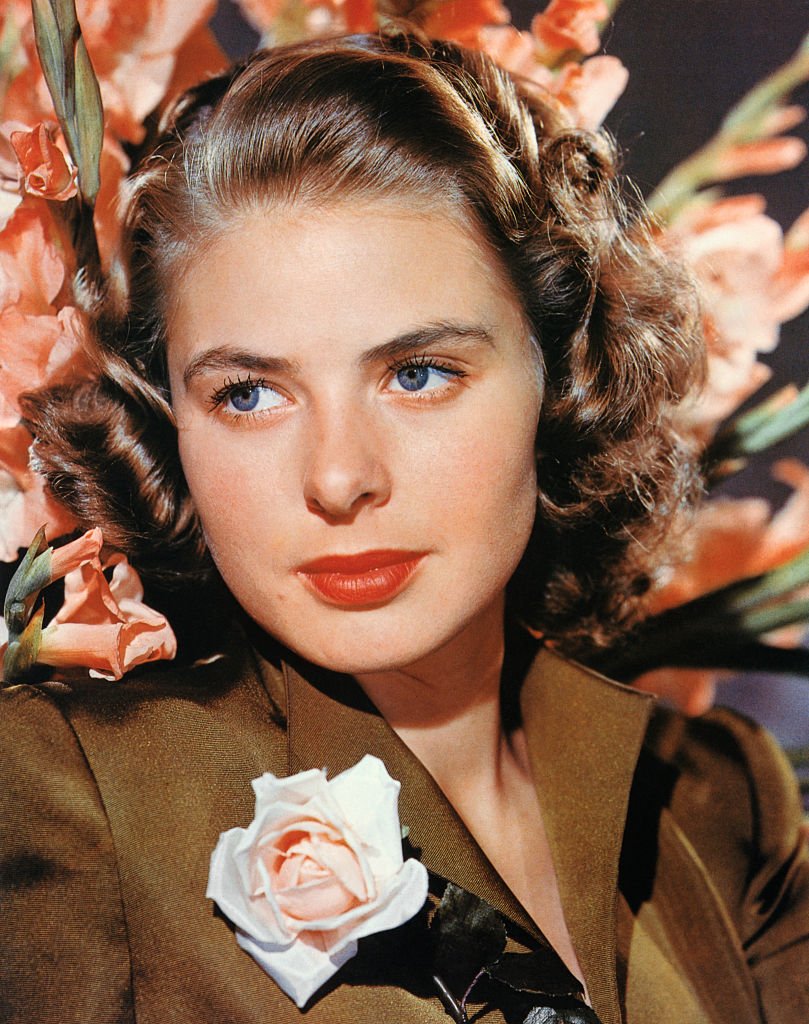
(569, 25)
(733, 538)
(32, 270)
(730, 539)
(25, 504)
(586, 92)
(319, 867)
(692, 690)
(47, 171)
(133, 47)
(764, 156)
(261, 13)
(462, 20)
(590, 90)
(324, 17)
(70, 556)
(104, 627)
(750, 284)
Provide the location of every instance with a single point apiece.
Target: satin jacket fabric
(682, 874)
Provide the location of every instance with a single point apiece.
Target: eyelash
(218, 397)
(248, 383)
(422, 360)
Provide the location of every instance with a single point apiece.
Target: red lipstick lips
(367, 578)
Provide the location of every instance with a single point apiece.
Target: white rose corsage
(319, 867)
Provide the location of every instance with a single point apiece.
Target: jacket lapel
(584, 735)
(334, 725)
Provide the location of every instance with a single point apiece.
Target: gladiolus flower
(70, 556)
(105, 627)
(31, 270)
(586, 92)
(569, 25)
(751, 282)
(133, 49)
(36, 351)
(590, 90)
(25, 504)
(47, 171)
(734, 538)
(462, 21)
(765, 156)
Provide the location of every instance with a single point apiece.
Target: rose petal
(299, 969)
(319, 866)
(377, 820)
(229, 885)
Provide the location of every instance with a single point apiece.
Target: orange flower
(47, 171)
(133, 48)
(569, 25)
(764, 156)
(692, 690)
(733, 538)
(750, 284)
(24, 503)
(729, 540)
(36, 351)
(462, 21)
(105, 627)
(32, 270)
(586, 92)
(70, 556)
(261, 13)
(589, 90)
(791, 283)
(515, 51)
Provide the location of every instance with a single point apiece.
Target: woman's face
(357, 403)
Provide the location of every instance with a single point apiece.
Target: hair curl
(614, 319)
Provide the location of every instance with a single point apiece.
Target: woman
(381, 350)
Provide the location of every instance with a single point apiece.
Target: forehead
(353, 272)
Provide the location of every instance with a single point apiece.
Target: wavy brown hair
(397, 115)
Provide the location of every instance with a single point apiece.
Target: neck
(447, 707)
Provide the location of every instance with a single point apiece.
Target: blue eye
(413, 378)
(245, 399)
(418, 375)
(238, 398)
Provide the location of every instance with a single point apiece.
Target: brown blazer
(683, 878)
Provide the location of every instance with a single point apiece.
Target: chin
(356, 643)
(357, 658)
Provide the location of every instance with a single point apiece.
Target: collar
(584, 735)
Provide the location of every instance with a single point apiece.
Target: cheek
(234, 490)
(487, 487)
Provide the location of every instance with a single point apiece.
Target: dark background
(689, 62)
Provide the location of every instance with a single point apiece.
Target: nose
(347, 469)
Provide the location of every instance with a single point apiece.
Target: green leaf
(567, 1012)
(755, 431)
(32, 574)
(541, 971)
(746, 122)
(21, 654)
(73, 87)
(468, 935)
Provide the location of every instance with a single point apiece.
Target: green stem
(743, 123)
(754, 431)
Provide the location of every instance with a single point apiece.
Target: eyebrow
(229, 359)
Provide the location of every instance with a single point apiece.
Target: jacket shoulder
(734, 796)
(730, 782)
